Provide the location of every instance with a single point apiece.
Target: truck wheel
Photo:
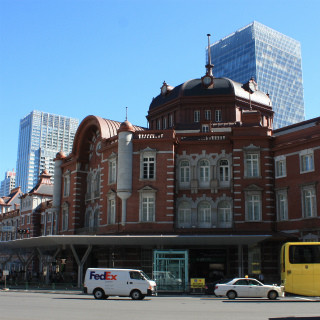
(99, 294)
(136, 295)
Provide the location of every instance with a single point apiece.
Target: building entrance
(170, 270)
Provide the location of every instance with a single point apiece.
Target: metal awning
(136, 240)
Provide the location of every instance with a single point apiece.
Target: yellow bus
(300, 268)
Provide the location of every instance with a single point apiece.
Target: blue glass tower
(42, 135)
(273, 59)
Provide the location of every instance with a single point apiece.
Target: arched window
(204, 168)
(184, 215)
(204, 214)
(224, 214)
(184, 172)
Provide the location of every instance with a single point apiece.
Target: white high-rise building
(8, 183)
(41, 136)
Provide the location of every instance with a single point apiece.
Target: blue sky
(83, 57)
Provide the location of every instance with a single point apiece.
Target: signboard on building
(8, 229)
(197, 283)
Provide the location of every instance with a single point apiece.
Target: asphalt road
(59, 306)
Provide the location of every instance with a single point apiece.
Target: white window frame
(205, 128)
(253, 206)
(184, 215)
(207, 114)
(309, 201)
(306, 161)
(196, 115)
(280, 167)
(204, 172)
(184, 172)
(170, 121)
(252, 164)
(148, 163)
(282, 204)
(147, 204)
(66, 184)
(204, 217)
(217, 115)
(224, 170)
(65, 218)
(112, 171)
(164, 121)
(224, 214)
(112, 210)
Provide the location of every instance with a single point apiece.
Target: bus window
(304, 254)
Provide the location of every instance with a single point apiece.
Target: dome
(222, 86)
(126, 126)
(60, 155)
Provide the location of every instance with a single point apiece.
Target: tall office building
(41, 136)
(273, 59)
(8, 183)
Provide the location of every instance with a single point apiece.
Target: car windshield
(144, 275)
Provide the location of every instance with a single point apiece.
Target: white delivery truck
(105, 282)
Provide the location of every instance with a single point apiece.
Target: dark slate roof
(222, 86)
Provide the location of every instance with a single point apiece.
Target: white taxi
(248, 288)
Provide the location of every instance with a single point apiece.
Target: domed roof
(221, 86)
(60, 155)
(126, 126)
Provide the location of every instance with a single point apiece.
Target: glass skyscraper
(41, 136)
(272, 59)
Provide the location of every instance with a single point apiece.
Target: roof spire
(209, 65)
(126, 113)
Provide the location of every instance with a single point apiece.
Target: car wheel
(99, 294)
(231, 294)
(136, 295)
(272, 295)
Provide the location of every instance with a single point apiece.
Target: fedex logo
(104, 276)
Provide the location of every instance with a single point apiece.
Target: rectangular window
(253, 207)
(205, 128)
(170, 121)
(112, 171)
(306, 162)
(112, 211)
(207, 114)
(197, 116)
(252, 165)
(28, 219)
(218, 116)
(159, 124)
(148, 208)
(148, 167)
(280, 166)
(309, 202)
(164, 123)
(66, 191)
(282, 205)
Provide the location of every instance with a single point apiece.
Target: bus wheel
(272, 295)
(99, 294)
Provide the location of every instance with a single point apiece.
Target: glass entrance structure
(170, 270)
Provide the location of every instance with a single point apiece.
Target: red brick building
(208, 190)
